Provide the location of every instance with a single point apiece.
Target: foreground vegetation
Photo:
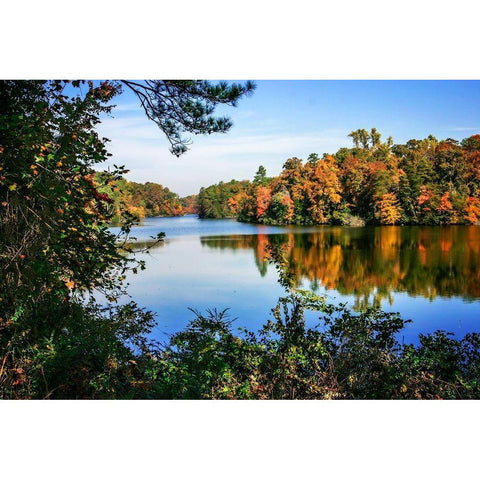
(57, 253)
(105, 353)
(427, 182)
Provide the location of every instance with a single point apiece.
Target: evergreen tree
(261, 176)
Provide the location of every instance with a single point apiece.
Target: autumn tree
(323, 189)
(445, 210)
(388, 209)
(263, 196)
(471, 210)
(237, 205)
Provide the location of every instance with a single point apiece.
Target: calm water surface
(428, 274)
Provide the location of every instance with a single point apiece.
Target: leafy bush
(347, 356)
(73, 350)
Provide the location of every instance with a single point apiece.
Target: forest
(422, 182)
(425, 182)
(142, 200)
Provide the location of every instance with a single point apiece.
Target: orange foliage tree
(445, 209)
(263, 197)
(389, 211)
(472, 210)
(323, 189)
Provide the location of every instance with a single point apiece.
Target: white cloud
(465, 129)
(139, 145)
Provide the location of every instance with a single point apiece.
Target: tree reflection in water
(373, 262)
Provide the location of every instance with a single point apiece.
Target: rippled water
(428, 274)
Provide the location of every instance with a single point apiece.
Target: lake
(429, 274)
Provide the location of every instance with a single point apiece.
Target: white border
(239, 40)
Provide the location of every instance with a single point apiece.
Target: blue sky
(286, 118)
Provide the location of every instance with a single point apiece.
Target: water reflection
(374, 262)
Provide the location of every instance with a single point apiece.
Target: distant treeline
(143, 199)
(425, 181)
